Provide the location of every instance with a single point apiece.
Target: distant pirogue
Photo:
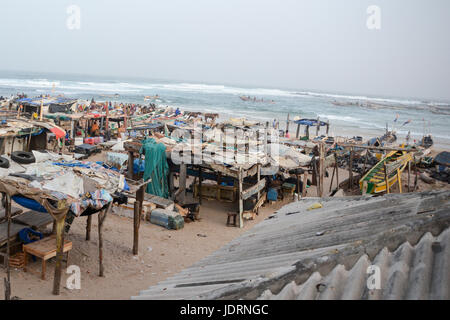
(375, 180)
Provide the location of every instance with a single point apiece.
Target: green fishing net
(156, 167)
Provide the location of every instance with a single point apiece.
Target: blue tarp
(47, 101)
(309, 122)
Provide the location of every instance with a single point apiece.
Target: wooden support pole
(101, 219)
(416, 178)
(399, 180)
(337, 170)
(182, 182)
(332, 178)
(59, 255)
(298, 131)
(7, 280)
(321, 169)
(350, 171)
(258, 166)
(137, 218)
(241, 201)
(200, 180)
(386, 177)
(88, 227)
(305, 183)
(409, 176)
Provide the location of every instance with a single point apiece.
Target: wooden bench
(45, 249)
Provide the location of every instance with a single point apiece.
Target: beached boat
(375, 180)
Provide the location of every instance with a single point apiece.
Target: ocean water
(427, 116)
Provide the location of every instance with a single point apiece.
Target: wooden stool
(45, 249)
(234, 216)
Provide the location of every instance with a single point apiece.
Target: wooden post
(386, 178)
(241, 201)
(409, 176)
(350, 171)
(337, 170)
(305, 183)
(137, 218)
(332, 178)
(7, 280)
(88, 227)
(328, 127)
(321, 169)
(219, 177)
(307, 132)
(59, 254)
(182, 182)
(200, 179)
(42, 109)
(399, 180)
(101, 219)
(416, 179)
(258, 167)
(298, 131)
(298, 185)
(130, 169)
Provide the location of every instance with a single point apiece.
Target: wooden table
(45, 249)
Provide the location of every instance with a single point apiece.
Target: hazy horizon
(190, 81)
(319, 46)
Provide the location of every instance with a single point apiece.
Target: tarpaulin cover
(156, 167)
(443, 158)
(46, 101)
(309, 122)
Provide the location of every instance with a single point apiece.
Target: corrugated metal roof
(419, 272)
(297, 245)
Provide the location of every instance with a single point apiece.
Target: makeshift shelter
(64, 189)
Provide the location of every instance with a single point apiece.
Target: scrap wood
(182, 211)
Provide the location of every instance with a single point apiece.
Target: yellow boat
(375, 180)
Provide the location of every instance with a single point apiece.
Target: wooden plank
(14, 231)
(34, 219)
(160, 202)
(247, 193)
(305, 183)
(14, 211)
(260, 202)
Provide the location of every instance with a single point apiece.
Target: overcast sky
(322, 45)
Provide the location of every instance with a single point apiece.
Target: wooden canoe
(375, 180)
